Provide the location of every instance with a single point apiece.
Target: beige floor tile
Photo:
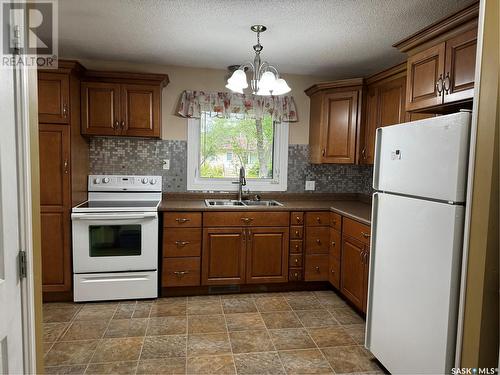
(307, 302)
(282, 319)
(124, 311)
(243, 305)
(268, 304)
(65, 370)
(197, 307)
(299, 293)
(346, 316)
(126, 328)
(208, 344)
(167, 325)
(205, 298)
(236, 296)
(164, 346)
(164, 366)
(52, 331)
(309, 361)
(85, 330)
(242, 322)
(293, 338)
(70, 353)
(169, 309)
(119, 349)
(316, 318)
(61, 314)
(267, 294)
(171, 300)
(258, 363)
(357, 332)
(112, 368)
(92, 312)
(46, 347)
(330, 300)
(250, 341)
(348, 359)
(223, 364)
(206, 324)
(330, 336)
(142, 310)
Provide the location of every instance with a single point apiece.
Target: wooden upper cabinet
(141, 110)
(100, 108)
(122, 104)
(385, 105)
(441, 62)
(425, 77)
(460, 66)
(53, 98)
(267, 255)
(334, 124)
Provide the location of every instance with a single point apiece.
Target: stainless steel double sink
(243, 203)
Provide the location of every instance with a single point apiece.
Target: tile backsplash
(111, 155)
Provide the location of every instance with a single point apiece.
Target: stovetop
(117, 205)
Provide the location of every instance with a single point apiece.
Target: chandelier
(265, 77)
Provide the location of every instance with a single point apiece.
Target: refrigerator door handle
(373, 254)
(376, 162)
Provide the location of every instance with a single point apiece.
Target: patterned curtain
(280, 108)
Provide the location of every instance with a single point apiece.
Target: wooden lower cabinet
(184, 271)
(334, 275)
(353, 273)
(316, 268)
(223, 256)
(267, 255)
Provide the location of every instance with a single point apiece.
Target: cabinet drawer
(314, 219)
(182, 242)
(295, 260)
(297, 218)
(316, 268)
(296, 246)
(335, 243)
(295, 274)
(336, 221)
(357, 230)
(238, 219)
(317, 240)
(182, 219)
(296, 232)
(181, 272)
(334, 276)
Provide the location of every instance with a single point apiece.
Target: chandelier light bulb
(281, 87)
(238, 79)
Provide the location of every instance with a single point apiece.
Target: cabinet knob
(333, 243)
(296, 247)
(65, 110)
(116, 124)
(323, 152)
(297, 233)
(65, 166)
(318, 219)
(298, 219)
(439, 85)
(446, 83)
(365, 235)
(333, 271)
(296, 261)
(123, 125)
(296, 274)
(318, 241)
(363, 153)
(316, 268)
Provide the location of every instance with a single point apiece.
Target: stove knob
(152, 181)
(97, 181)
(105, 180)
(144, 180)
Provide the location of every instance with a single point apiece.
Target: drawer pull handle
(296, 247)
(333, 271)
(318, 241)
(298, 219)
(182, 243)
(365, 235)
(182, 220)
(296, 260)
(247, 220)
(318, 219)
(65, 110)
(317, 268)
(297, 233)
(333, 243)
(296, 274)
(180, 273)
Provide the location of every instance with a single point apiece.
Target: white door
(426, 158)
(11, 333)
(413, 284)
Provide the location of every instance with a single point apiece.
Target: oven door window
(114, 240)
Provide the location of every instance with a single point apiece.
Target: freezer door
(413, 284)
(426, 158)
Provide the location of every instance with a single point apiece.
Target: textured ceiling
(335, 38)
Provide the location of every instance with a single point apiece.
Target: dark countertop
(348, 206)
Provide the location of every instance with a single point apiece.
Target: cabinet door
(352, 271)
(223, 256)
(53, 98)
(334, 275)
(460, 67)
(267, 255)
(54, 151)
(100, 108)
(141, 110)
(366, 261)
(424, 69)
(340, 117)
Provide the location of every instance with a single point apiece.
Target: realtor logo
(29, 34)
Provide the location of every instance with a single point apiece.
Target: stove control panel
(124, 183)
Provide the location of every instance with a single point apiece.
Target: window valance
(280, 108)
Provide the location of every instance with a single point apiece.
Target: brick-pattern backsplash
(112, 155)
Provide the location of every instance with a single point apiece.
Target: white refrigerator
(420, 175)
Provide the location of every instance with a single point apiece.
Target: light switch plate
(166, 164)
(310, 185)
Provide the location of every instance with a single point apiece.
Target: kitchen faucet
(242, 181)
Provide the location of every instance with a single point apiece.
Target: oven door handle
(128, 216)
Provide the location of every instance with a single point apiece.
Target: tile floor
(267, 333)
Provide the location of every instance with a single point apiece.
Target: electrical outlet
(166, 164)
(310, 185)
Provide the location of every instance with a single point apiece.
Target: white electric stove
(115, 239)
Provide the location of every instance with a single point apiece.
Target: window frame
(280, 164)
